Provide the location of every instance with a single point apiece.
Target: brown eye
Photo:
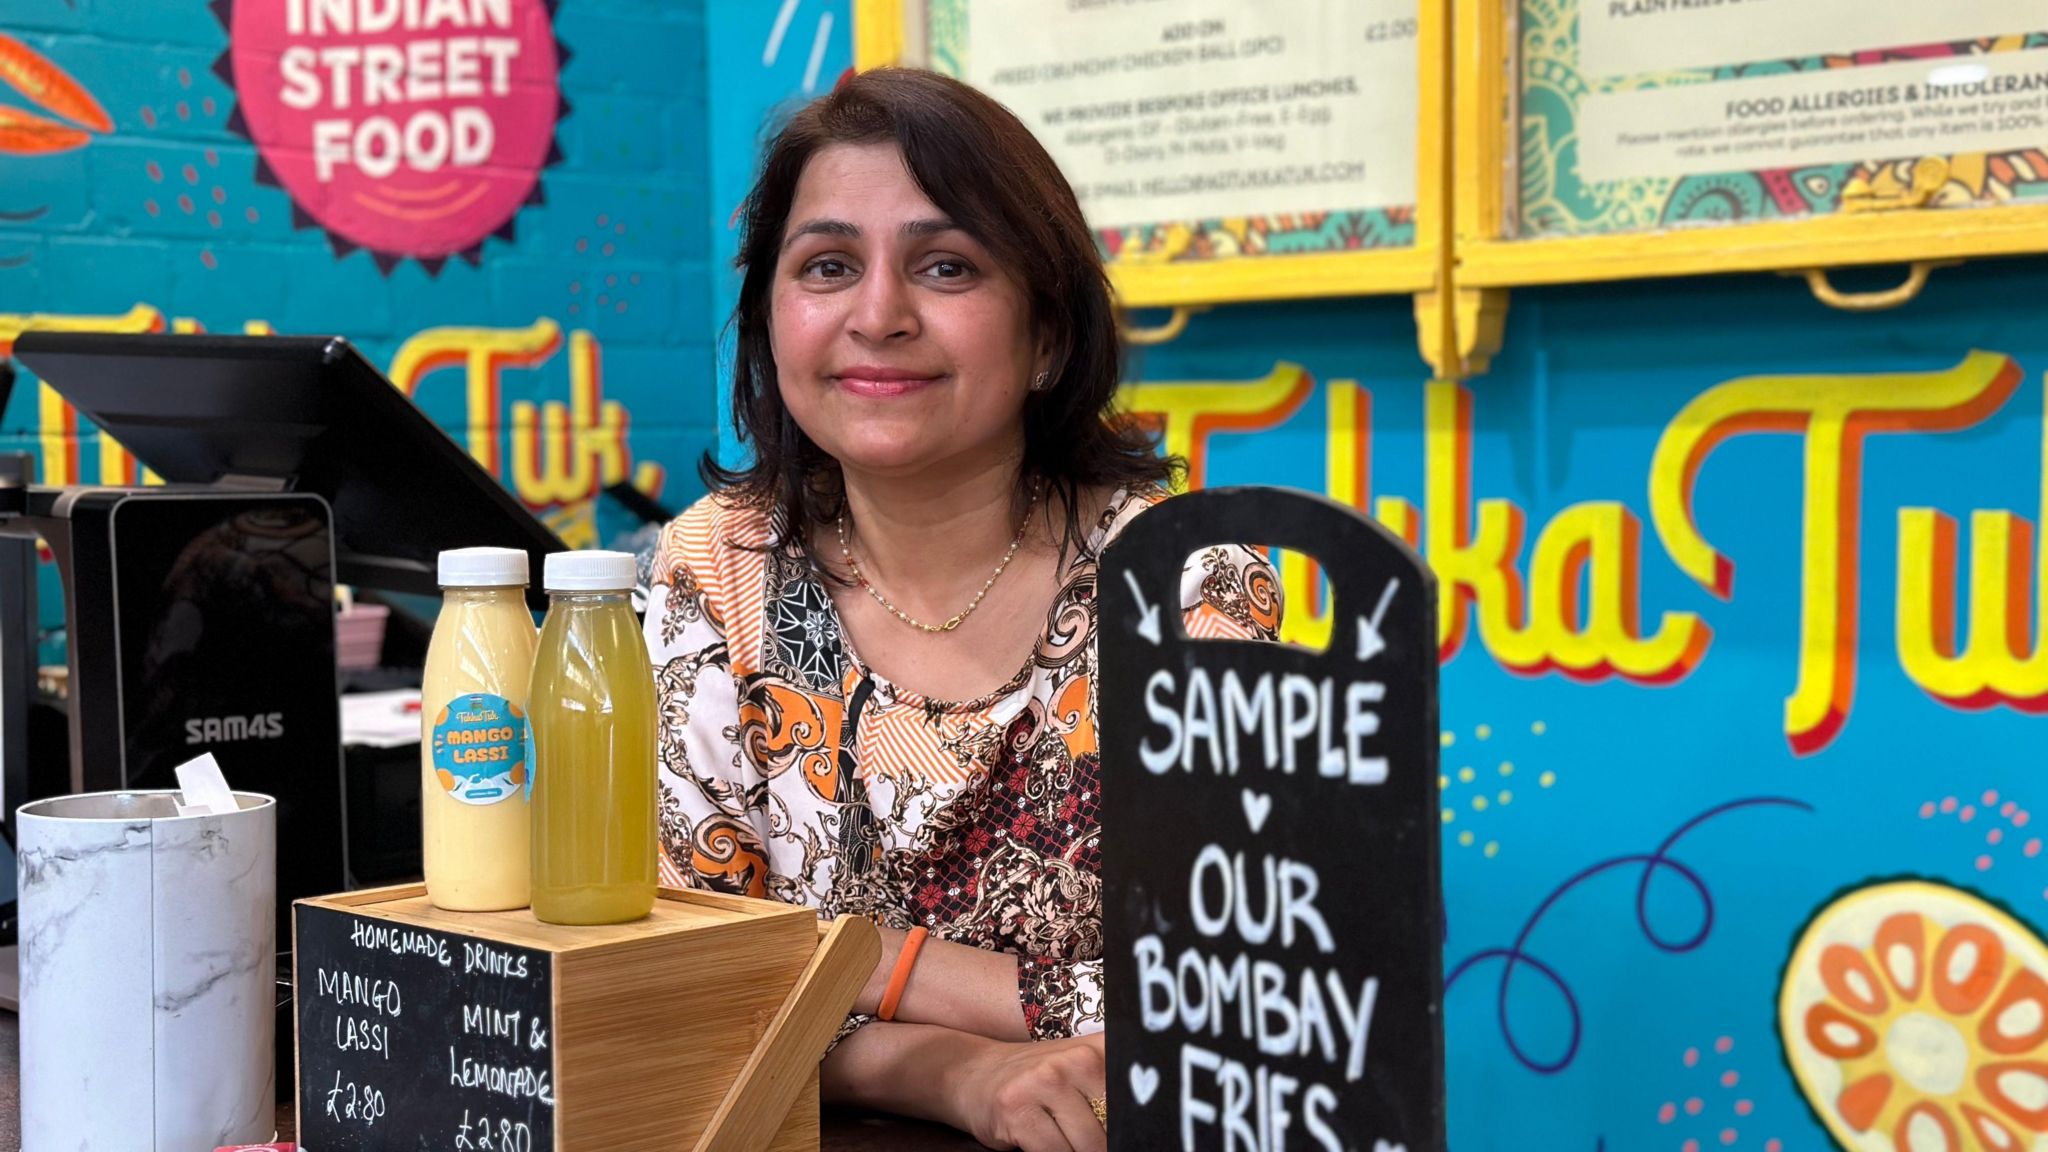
(949, 270)
(826, 268)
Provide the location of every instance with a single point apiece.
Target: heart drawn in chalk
(1257, 806)
(1144, 1082)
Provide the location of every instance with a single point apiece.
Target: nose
(884, 308)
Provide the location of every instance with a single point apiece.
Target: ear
(1045, 356)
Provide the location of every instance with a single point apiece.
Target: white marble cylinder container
(148, 970)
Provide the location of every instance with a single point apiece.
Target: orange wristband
(905, 960)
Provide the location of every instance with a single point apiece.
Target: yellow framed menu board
(1223, 150)
(1603, 139)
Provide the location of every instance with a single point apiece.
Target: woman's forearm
(961, 987)
(1021, 1095)
(910, 1069)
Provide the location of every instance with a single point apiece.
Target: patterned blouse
(789, 771)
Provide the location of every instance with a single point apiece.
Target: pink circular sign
(409, 127)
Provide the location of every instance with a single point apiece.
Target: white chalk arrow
(1370, 642)
(1148, 614)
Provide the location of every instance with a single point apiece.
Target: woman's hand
(1033, 1096)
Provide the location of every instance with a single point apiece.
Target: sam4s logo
(223, 729)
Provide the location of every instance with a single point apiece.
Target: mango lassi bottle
(593, 735)
(476, 779)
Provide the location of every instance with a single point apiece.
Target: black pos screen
(302, 414)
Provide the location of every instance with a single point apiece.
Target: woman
(875, 644)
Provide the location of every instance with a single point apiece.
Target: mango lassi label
(480, 749)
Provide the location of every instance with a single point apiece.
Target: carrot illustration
(23, 134)
(49, 86)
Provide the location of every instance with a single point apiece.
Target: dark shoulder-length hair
(981, 166)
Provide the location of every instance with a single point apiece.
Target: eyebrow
(912, 229)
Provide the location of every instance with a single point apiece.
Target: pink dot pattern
(1715, 1127)
(1995, 807)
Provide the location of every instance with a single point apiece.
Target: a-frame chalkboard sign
(1272, 908)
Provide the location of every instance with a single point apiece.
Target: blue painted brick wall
(165, 212)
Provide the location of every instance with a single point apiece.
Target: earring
(1042, 382)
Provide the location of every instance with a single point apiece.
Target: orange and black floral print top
(790, 771)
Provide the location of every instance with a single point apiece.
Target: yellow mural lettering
(2001, 661)
(1347, 479)
(1401, 518)
(483, 353)
(1600, 543)
(140, 318)
(57, 420)
(1834, 414)
(564, 453)
(649, 477)
(1474, 570)
(1187, 413)
(57, 436)
(119, 469)
(1547, 630)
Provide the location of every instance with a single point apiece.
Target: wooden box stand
(699, 1026)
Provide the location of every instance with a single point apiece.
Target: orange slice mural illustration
(1915, 1019)
(24, 133)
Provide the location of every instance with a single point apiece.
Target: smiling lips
(877, 381)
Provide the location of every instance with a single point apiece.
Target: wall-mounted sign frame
(1615, 139)
(1248, 160)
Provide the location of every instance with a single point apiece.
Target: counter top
(844, 1131)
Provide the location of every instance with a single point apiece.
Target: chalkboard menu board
(411, 1038)
(1273, 915)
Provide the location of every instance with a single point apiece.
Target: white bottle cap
(483, 568)
(590, 571)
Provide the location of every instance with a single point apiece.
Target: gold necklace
(959, 617)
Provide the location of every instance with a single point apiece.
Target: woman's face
(901, 348)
